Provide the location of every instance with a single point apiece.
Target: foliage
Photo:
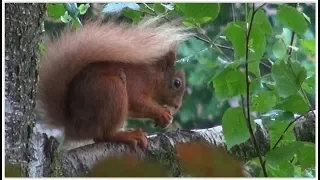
(207, 162)
(279, 50)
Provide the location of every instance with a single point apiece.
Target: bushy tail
(73, 50)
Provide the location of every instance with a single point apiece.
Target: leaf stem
(248, 89)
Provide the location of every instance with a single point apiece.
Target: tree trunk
(22, 37)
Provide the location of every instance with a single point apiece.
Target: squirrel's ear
(171, 55)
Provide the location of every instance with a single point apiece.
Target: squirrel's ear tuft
(171, 55)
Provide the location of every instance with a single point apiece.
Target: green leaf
(308, 45)
(55, 10)
(285, 116)
(281, 154)
(236, 33)
(305, 152)
(66, 17)
(159, 8)
(284, 169)
(72, 9)
(276, 129)
(236, 83)
(268, 82)
(306, 155)
(289, 76)
(132, 14)
(307, 17)
(297, 171)
(279, 49)
(255, 86)
(189, 24)
(309, 84)
(76, 23)
(83, 8)
(199, 11)
(258, 45)
(204, 20)
(229, 83)
(261, 22)
(293, 18)
(42, 48)
(264, 101)
(295, 104)
(220, 84)
(234, 127)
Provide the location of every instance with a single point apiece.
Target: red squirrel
(95, 77)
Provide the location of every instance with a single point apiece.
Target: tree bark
(22, 36)
(161, 148)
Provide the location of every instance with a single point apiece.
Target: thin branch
(221, 52)
(150, 8)
(202, 39)
(248, 93)
(223, 47)
(281, 137)
(154, 12)
(260, 6)
(209, 42)
(291, 43)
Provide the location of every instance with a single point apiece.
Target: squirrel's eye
(177, 83)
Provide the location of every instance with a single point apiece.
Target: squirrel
(93, 78)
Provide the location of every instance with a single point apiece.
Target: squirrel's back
(67, 55)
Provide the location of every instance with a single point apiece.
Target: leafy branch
(248, 90)
(289, 52)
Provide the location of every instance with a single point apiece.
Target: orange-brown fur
(93, 78)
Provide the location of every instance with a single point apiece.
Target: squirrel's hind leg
(114, 113)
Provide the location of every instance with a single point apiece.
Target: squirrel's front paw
(165, 118)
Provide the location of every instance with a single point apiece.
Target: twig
(248, 93)
(202, 39)
(209, 42)
(261, 6)
(150, 8)
(154, 12)
(281, 137)
(218, 46)
(291, 43)
(223, 47)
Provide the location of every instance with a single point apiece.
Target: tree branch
(79, 161)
